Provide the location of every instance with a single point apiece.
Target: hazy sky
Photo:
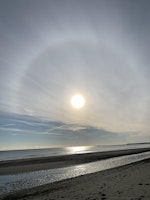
(52, 49)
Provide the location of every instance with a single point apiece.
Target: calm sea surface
(32, 153)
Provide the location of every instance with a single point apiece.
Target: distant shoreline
(43, 163)
(59, 147)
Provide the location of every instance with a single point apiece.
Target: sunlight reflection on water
(78, 149)
(37, 153)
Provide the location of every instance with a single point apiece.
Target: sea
(37, 153)
(12, 183)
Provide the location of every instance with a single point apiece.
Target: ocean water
(11, 183)
(33, 153)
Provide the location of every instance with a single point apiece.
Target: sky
(53, 49)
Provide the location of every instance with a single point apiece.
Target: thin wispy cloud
(51, 50)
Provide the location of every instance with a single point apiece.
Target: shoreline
(131, 181)
(43, 163)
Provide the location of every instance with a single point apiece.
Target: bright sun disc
(77, 101)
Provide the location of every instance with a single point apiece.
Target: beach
(127, 182)
(131, 181)
(54, 162)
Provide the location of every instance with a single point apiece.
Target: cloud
(31, 124)
(36, 131)
(99, 49)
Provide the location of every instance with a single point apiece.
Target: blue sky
(50, 50)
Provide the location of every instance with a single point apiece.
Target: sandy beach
(36, 164)
(123, 183)
(127, 182)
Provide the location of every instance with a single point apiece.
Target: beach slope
(127, 182)
(43, 163)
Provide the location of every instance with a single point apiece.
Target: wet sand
(130, 182)
(35, 164)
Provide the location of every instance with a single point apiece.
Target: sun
(77, 101)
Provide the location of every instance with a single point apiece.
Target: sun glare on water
(77, 149)
(77, 101)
